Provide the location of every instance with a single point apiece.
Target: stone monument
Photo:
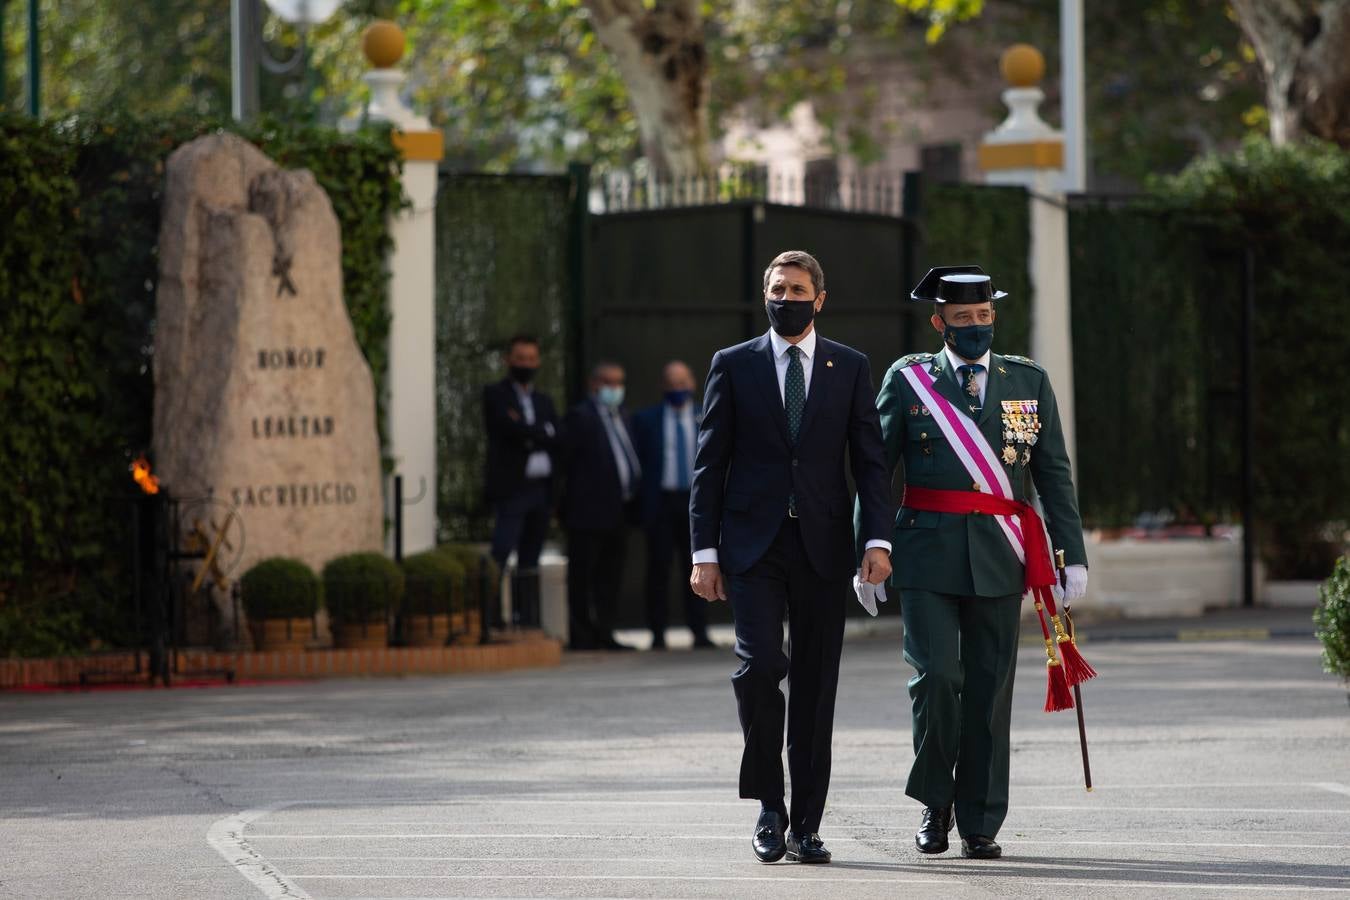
(263, 400)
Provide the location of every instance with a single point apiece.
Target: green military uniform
(961, 584)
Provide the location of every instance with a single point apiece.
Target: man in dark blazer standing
(664, 436)
(522, 435)
(771, 530)
(603, 481)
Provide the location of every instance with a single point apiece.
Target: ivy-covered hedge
(1291, 206)
(80, 203)
(989, 227)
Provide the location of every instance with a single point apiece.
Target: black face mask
(523, 374)
(790, 317)
(969, 341)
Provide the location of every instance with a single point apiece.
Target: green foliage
(1291, 205)
(77, 275)
(1156, 366)
(481, 575)
(435, 583)
(1332, 618)
(480, 222)
(362, 587)
(989, 227)
(280, 588)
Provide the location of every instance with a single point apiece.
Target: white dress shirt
(981, 377)
(780, 363)
(537, 465)
(683, 419)
(781, 358)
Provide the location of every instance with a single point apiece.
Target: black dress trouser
(595, 559)
(783, 582)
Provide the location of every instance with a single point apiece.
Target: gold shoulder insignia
(1022, 361)
(911, 359)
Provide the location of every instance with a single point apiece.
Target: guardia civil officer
(975, 430)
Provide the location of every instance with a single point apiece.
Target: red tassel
(1057, 695)
(1076, 669)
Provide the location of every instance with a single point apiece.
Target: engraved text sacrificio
(326, 493)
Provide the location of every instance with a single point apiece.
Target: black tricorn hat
(956, 284)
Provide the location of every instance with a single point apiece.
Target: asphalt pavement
(1222, 769)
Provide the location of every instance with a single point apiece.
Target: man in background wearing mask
(522, 435)
(664, 436)
(784, 416)
(971, 426)
(603, 483)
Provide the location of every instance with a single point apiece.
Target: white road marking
(1150, 886)
(1333, 787)
(797, 879)
(587, 836)
(227, 837)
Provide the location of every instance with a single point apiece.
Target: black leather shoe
(608, 643)
(807, 848)
(933, 829)
(977, 846)
(703, 642)
(768, 840)
(658, 642)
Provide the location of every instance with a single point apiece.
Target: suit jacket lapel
(820, 383)
(767, 375)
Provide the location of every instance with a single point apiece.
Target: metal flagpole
(244, 15)
(1071, 75)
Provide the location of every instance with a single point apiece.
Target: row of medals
(1021, 423)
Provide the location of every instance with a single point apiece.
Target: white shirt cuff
(705, 556)
(884, 545)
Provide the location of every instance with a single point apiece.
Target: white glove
(1075, 583)
(869, 595)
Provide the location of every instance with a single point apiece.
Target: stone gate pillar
(1025, 151)
(412, 289)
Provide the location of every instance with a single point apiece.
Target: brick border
(523, 654)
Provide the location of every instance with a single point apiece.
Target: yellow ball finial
(1022, 66)
(383, 43)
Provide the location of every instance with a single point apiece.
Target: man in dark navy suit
(771, 530)
(665, 436)
(603, 481)
(522, 435)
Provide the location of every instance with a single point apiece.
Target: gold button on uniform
(976, 487)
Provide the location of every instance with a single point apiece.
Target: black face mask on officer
(969, 341)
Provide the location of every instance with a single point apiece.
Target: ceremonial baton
(1077, 690)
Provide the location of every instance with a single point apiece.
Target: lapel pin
(1002, 371)
(829, 364)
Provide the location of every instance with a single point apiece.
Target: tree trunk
(1304, 49)
(661, 54)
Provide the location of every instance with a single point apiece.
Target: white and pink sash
(971, 447)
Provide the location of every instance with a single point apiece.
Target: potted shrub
(433, 591)
(1332, 618)
(360, 591)
(481, 580)
(280, 597)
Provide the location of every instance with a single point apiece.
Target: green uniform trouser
(964, 651)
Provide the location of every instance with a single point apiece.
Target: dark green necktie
(794, 392)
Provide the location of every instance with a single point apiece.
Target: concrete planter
(360, 636)
(1132, 578)
(282, 634)
(421, 630)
